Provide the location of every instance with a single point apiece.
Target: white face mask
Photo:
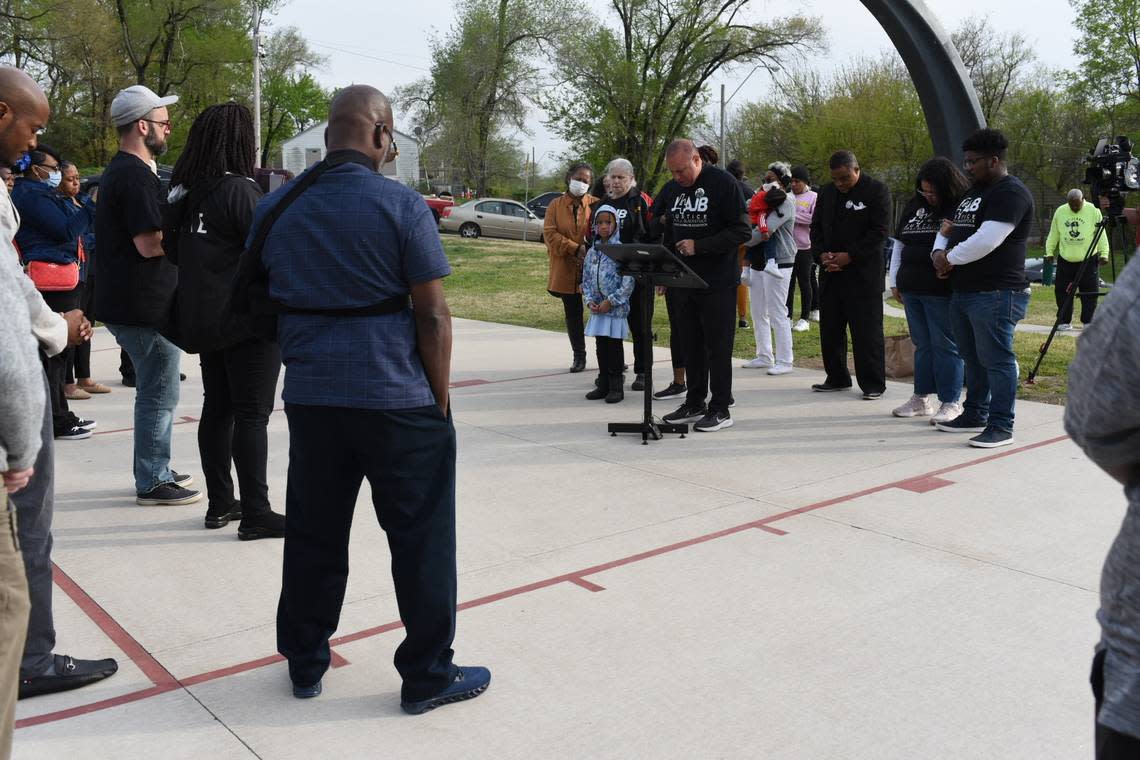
(578, 188)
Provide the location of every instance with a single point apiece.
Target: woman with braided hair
(211, 205)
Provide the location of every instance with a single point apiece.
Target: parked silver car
(493, 217)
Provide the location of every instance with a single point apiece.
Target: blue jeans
(983, 327)
(156, 363)
(937, 366)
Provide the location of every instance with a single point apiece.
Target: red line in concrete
(577, 578)
(469, 383)
(924, 485)
(73, 712)
(336, 660)
(150, 667)
(586, 584)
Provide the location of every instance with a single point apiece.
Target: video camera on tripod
(1112, 172)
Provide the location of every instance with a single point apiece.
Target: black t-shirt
(132, 290)
(632, 212)
(711, 212)
(204, 234)
(918, 227)
(1007, 200)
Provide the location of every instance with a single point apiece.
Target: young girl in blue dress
(607, 295)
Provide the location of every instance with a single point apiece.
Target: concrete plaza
(820, 581)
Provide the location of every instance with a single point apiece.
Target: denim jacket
(48, 230)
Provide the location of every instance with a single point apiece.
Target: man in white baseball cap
(136, 286)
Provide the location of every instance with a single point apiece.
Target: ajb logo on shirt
(684, 204)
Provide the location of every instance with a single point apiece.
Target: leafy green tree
(291, 99)
(629, 87)
(999, 64)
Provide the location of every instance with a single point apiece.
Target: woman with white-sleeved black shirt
(913, 280)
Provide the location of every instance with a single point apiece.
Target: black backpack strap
(250, 294)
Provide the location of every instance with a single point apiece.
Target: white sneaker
(757, 363)
(1064, 327)
(781, 369)
(951, 410)
(800, 325)
(814, 315)
(918, 406)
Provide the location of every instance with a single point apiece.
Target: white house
(302, 151)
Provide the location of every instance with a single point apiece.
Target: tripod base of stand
(651, 428)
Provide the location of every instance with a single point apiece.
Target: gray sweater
(1103, 417)
(781, 240)
(21, 376)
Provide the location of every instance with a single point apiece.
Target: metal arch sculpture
(948, 99)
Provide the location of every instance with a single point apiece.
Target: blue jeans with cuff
(156, 362)
(937, 366)
(983, 328)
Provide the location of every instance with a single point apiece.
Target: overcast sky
(390, 47)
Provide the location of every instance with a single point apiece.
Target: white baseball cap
(135, 102)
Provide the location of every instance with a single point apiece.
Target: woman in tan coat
(565, 229)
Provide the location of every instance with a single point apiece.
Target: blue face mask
(53, 178)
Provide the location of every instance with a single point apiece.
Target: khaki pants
(14, 606)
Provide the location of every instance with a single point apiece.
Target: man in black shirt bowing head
(704, 218)
(848, 232)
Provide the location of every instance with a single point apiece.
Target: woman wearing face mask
(79, 362)
(565, 229)
(632, 208)
(50, 233)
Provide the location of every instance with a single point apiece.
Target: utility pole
(723, 153)
(257, 83)
(526, 191)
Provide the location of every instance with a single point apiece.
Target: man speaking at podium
(704, 220)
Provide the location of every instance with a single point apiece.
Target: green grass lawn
(505, 281)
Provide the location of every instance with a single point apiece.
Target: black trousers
(611, 355)
(239, 387)
(1110, 744)
(676, 339)
(842, 305)
(637, 323)
(79, 361)
(1090, 284)
(55, 367)
(575, 321)
(707, 319)
(803, 274)
(408, 457)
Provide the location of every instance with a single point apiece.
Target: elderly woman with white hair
(1073, 228)
(633, 227)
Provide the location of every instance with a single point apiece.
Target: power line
(370, 57)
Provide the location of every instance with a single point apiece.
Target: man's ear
(5, 110)
(378, 136)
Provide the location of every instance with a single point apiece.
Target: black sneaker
(182, 479)
(962, 424)
(742, 324)
(872, 395)
(219, 517)
(673, 391)
(73, 434)
(85, 424)
(991, 438)
(638, 383)
(828, 387)
(686, 413)
(713, 421)
(167, 494)
(469, 682)
(267, 524)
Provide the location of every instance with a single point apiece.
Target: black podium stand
(650, 265)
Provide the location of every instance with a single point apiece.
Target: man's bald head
(683, 161)
(360, 118)
(24, 111)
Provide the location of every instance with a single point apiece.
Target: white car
(493, 217)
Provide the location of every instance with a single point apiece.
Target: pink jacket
(805, 210)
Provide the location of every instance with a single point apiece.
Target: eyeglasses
(969, 162)
(393, 150)
(164, 124)
(49, 167)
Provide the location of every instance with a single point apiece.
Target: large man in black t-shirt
(984, 257)
(704, 219)
(848, 232)
(136, 286)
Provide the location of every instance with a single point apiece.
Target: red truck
(437, 205)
